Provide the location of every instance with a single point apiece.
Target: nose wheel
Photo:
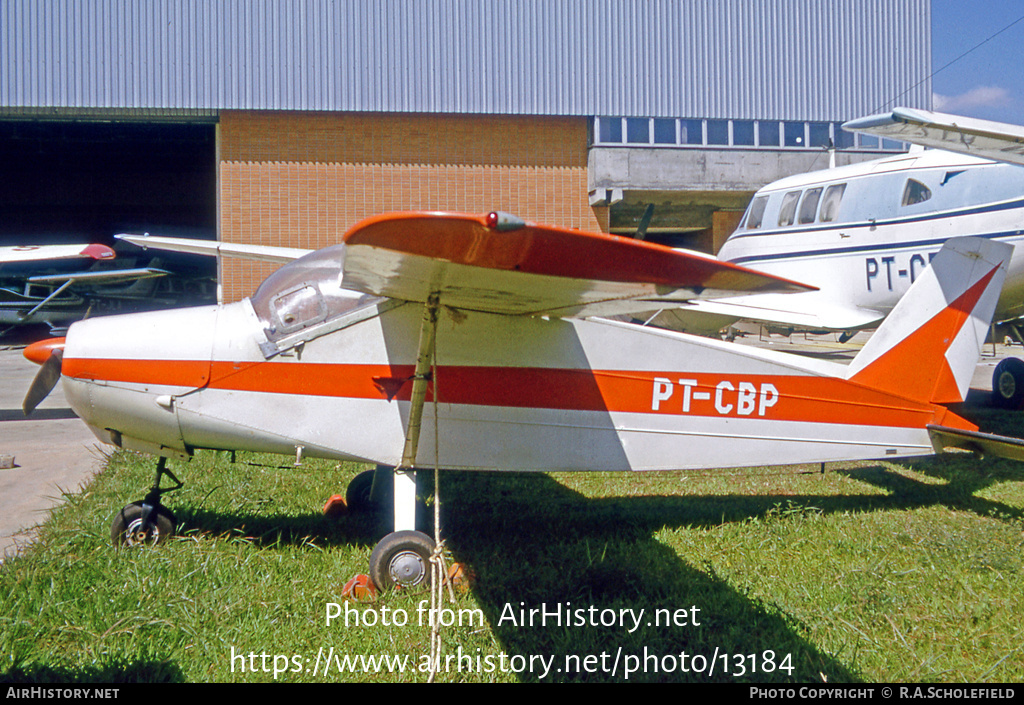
(141, 525)
(146, 523)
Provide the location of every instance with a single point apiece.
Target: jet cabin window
(787, 213)
(915, 192)
(830, 203)
(756, 213)
(809, 206)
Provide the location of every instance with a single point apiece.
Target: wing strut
(57, 292)
(405, 475)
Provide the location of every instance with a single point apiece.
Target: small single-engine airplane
(490, 322)
(862, 234)
(53, 284)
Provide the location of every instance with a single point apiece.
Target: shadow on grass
(138, 672)
(534, 544)
(963, 478)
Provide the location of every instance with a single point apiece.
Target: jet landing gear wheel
(132, 528)
(1008, 384)
(401, 560)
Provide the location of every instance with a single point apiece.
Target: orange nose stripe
(39, 352)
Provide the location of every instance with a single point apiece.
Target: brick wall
(301, 180)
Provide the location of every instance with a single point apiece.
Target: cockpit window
(809, 206)
(756, 213)
(304, 293)
(915, 192)
(787, 213)
(830, 203)
(297, 308)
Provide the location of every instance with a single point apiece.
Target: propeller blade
(46, 379)
(645, 221)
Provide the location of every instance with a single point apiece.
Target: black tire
(1008, 384)
(357, 495)
(402, 559)
(127, 529)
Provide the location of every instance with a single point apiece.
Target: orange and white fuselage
(513, 392)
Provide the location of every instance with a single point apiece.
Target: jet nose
(121, 374)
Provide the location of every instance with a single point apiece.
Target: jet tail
(928, 347)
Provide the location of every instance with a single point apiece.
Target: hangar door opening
(84, 181)
(61, 180)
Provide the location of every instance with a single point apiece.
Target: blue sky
(988, 83)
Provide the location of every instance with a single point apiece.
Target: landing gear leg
(402, 558)
(147, 522)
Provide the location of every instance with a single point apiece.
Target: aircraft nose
(39, 352)
(121, 374)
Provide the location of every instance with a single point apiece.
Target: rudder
(928, 347)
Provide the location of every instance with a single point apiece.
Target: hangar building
(284, 122)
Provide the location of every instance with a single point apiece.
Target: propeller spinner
(50, 355)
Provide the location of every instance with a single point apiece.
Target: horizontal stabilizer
(499, 264)
(977, 442)
(981, 138)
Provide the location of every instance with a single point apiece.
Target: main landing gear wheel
(130, 528)
(402, 560)
(358, 495)
(1008, 384)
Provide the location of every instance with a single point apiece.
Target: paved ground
(55, 452)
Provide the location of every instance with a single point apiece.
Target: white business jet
(864, 233)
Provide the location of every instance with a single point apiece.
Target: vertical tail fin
(928, 347)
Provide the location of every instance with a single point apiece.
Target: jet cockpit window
(915, 192)
(830, 203)
(809, 206)
(756, 213)
(787, 213)
(305, 293)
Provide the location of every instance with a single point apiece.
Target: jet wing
(195, 246)
(41, 253)
(803, 311)
(500, 264)
(981, 138)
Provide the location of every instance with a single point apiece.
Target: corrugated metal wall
(775, 59)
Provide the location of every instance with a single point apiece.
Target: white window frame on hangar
(576, 112)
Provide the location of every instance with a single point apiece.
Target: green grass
(869, 572)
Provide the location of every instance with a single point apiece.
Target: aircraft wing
(39, 253)
(804, 311)
(500, 264)
(104, 277)
(982, 138)
(195, 246)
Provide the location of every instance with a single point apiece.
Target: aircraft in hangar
(58, 284)
(485, 334)
(862, 234)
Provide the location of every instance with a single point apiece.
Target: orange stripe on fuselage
(768, 397)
